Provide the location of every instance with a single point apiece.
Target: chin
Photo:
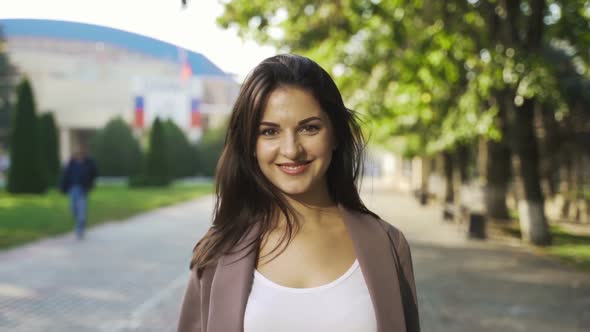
(294, 191)
(298, 189)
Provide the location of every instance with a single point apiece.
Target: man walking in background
(77, 180)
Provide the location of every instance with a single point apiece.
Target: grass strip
(567, 246)
(25, 218)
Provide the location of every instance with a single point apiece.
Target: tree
(564, 133)
(208, 150)
(27, 171)
(155, 170)
(116, 151)
(522, 37)
(7, 75)
(49, 143)
(180, 155)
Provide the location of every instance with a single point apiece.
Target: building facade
(87, 75)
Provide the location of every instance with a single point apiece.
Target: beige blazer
(216, 301)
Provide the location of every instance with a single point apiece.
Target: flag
(139, 114)
(195, 113)
(186, 70)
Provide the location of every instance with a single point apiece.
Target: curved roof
(200, 65)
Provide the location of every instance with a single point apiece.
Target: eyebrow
(304, 121)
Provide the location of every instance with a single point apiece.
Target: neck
(313, 209)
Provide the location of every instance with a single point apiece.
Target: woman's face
(295, 142)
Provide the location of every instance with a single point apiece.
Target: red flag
(139, 114)
(185, 67)
(195, 113)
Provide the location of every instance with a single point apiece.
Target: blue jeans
(78, 202)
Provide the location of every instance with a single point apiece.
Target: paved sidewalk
(130, 276)
(123, 277)
(468, 285)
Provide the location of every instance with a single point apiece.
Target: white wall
(86, 84)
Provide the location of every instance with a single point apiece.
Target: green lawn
(566, 246)
(25, 218)
(570, 247)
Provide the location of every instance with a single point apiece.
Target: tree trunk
(463, 163)
(579, 194)
(498, 167)
(448, 168)
(498, 176)
(533, 223)
(425, 174)
(566, 184)
(550, 143)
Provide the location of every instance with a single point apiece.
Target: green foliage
(156, 170)
(180, 155)
(426, 68)
(7, 74)
(394, 61)
(49, 143)
(27, 170)
(116, 151)
(208, 150)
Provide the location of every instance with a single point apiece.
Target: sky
(193, 27)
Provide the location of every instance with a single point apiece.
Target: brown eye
(310, 129)
(268, 132)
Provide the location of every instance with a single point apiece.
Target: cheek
(323, 147)
(265, 152)
(328, 154)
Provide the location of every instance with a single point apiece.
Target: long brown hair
(244, 197)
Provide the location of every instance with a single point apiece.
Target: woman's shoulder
(371, 219)
(243, 247)
(199, 273)
(396, 236)
(392, 230)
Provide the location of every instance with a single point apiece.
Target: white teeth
(293, 168)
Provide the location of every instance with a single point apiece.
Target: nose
(290, 146)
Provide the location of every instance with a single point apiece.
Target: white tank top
(342, 305)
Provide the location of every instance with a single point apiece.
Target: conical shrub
(179, 151)
(49, 143)
(27, 171)
(156, 171)
(116, 151)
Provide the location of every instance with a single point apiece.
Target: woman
(292, 246)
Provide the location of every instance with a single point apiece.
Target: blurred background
(477, 114)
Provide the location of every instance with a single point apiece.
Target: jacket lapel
(373, 250)
(231, 287)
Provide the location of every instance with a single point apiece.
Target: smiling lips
(294, 168)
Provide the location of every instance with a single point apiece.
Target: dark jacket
(216, 301)
(83, 174)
